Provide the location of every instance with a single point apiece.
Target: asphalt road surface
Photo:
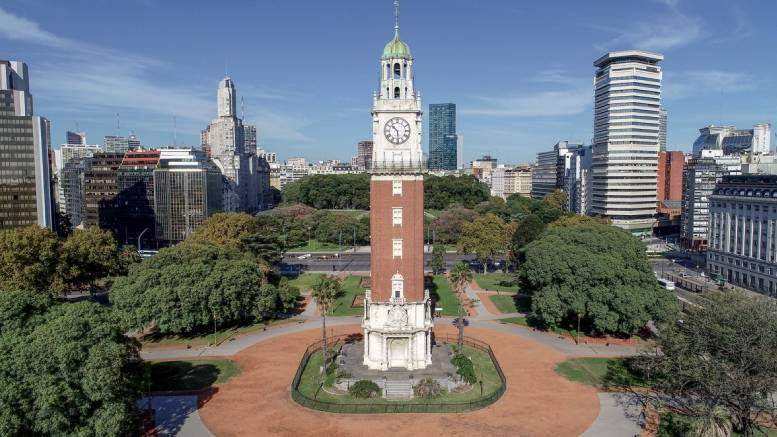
(348, 262)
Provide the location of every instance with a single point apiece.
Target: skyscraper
(442, 136)
(76, 138)
(136, 196)
(627, 123)
(364, 155)
(224, 141)
(25, 179)
(397, 318)
(114, 144)
(100, 187)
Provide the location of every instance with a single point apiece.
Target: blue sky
(520, 72)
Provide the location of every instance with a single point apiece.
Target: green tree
(460, 276)
(28, 258)
(128, 257)
(557, 200)
(528, 229)
(228, 229)
(325, 292)
(67, 371)
(447, 226)
(438, 258)
(494, 205)
(187, 288)
(349, 191)
(597, 272)
(718, 364)
(486, 237)
(577, 219)
(86, 256)
(442, 191)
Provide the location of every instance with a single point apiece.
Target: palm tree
(326, 291)
(460, 276)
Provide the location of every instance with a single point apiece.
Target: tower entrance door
(398, 352)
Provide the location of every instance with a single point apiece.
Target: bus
(666, 284)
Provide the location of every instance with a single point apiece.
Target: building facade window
(397, 286)
(397, 247)
(396, 216)
(397, 187)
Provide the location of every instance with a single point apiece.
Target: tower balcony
(398, 167)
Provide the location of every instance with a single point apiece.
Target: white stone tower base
(397, 334)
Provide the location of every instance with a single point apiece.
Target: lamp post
(141, 234)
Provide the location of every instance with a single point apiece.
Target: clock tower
(397, 314)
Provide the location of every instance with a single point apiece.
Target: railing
(399, 166)
(430, 406)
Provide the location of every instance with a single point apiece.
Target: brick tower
(397, 315)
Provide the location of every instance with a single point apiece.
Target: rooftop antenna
(118, 123)
(242, 108)
(175, 132)
(396, 18)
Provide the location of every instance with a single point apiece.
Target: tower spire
(396, 18)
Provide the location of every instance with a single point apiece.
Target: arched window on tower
(396, 92)
(397, 286)
(388, 71)
(397, 71)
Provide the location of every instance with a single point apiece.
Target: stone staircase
(398, 389)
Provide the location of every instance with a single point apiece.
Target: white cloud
(696, 83)
(87, 78)
(537, 104)
(663, 32)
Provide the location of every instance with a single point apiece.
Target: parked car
(305, 256)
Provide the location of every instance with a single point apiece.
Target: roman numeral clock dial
(397, 130)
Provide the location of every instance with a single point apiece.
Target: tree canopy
(185, 288)
(348, 191)
(65, 369)
(447, 226)
(28, 258)
(485, 237)
(597, 271)
(720, 359)
(442, 191)
(87, 255)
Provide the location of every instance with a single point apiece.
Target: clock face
(397, 130)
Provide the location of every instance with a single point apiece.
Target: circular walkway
(538, 402)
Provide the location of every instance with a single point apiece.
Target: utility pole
(578, 328)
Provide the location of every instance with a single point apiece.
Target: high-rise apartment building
(75, 138)
(743, 232)
(100, 188)
(552, 169)
(627, 103)
(732, 141)
(73, 160)
(114, 144)
(669, 184)
(364, 155)
(700, 176)
(509, 180)
(482, 168)
(187, 189)
(577, 183)
(136, 197)
(442, 136)
(25, 174)
(249, 136)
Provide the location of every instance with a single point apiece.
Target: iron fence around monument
(430, 406)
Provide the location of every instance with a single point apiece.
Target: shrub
(429, 388)
(464, 368)
(364, 389)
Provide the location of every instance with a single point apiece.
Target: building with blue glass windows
(442, 136)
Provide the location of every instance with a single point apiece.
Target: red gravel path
(538, 402)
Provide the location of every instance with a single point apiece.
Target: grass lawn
(446, 297)
(190, 375)
(317, 246)
(494, 282)
(504, 303)
(485, 370)
(305, 281)
(351, 288)
(600, 372)
(203, 339)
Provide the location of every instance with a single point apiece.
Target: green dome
(396, 48)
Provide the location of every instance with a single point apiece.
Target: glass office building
(442, 136)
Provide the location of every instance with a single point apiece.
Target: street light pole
(141, 234)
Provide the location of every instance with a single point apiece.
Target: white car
(305, 256)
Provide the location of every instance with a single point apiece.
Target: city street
(347, 261)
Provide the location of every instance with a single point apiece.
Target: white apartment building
(627, 119)
(508, 180)
(743, 232)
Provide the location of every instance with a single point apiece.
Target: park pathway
(176, 415)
